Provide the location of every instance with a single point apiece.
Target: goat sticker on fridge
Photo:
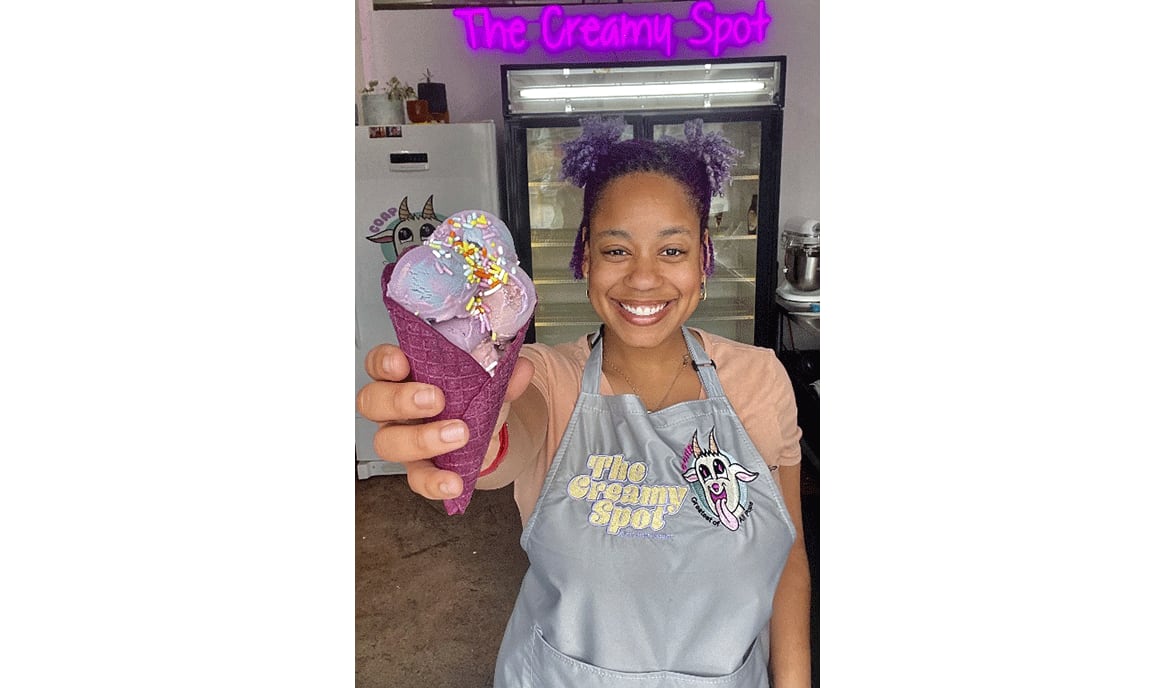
(397, 230)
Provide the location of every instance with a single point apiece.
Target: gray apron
(655, 548)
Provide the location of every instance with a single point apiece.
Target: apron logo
(619, 501)
(720, 494)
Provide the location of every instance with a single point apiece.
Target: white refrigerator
(408, 179)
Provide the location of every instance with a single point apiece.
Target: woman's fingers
(386, 362)
(409, 443)
(395, 401)
(414, 445)
(387, 399)
(397, 405)
(431, 482)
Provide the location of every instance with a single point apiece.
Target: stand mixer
(800, 292)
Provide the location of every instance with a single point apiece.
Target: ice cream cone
(471, 394)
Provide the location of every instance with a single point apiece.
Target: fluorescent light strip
(628, 90)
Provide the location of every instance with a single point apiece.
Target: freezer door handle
(407, 161)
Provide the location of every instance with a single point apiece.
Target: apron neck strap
(590, 381)
(702, 363)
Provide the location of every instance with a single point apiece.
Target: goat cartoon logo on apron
(718, 483)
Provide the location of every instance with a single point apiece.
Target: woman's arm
(526, 419)
(790, 660)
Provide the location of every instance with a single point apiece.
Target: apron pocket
(550, 668)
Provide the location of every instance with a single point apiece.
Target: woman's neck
(640, 358)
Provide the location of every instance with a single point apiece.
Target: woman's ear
(705, 255)
(584, 260)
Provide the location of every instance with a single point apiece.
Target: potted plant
(385, 106)
(434, 93)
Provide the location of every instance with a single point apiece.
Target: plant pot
(434, 93)
(378, 109)
(418, 111)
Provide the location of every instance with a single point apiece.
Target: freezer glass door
(555, 208)
(729, 308)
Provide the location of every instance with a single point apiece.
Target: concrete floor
(433, 592)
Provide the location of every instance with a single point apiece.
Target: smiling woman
(603, 460)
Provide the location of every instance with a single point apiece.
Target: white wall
(360, 80)
(403, 42)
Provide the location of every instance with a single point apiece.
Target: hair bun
(718, 153)
(580, 154)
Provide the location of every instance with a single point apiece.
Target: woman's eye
(674, 252)
(614, 252)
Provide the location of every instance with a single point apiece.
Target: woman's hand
(400, 408)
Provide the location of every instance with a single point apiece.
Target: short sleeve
(761, 393)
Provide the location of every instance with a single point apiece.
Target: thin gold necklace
(685, 361)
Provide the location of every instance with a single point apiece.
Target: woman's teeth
(644, 310)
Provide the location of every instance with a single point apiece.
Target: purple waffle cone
(471, 393)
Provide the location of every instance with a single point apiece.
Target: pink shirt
(753, 379)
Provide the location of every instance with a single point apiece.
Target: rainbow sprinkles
(484, 266)
(467, 284)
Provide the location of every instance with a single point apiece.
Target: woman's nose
(645, 273)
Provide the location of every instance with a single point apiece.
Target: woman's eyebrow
(622, 234)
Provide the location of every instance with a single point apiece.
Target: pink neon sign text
(714, 31)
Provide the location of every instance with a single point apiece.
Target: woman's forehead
(645, 191)
(645, 179)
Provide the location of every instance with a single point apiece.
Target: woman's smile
(640, 313)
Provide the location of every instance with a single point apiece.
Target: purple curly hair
(701, 163)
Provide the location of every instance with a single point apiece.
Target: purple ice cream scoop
(430, 283)
(465, 333)
(484, 229)
(509, 307)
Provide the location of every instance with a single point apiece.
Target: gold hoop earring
(704, 291)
